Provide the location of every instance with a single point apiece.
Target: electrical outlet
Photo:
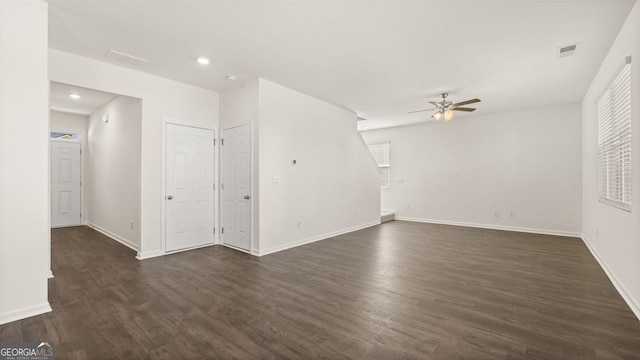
(299, 224)
(408, 207)
(512, 214)
(496, 214)
(131, 226)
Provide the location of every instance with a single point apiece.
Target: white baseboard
(290, 245)
(50, 275)
(622, 290)
(149, 254)
(492, 227)
(25, 313)
(115, 237)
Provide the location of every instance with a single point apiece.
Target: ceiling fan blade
(435, 103)
(466, 102)
(463, 109)
(417, 111)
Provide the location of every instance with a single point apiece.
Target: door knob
(246, 197)
(170, 197)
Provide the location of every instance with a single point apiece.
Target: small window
(60, 135)
(380, 154)
(614, 141)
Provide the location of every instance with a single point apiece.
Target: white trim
(163, 207)
(81, 135)
(25, 313)
(253, 197)
(50, 275)
(622, 290)
(273, 249)
(492, 227)
(150, 254)
(115, 237)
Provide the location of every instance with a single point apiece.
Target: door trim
(163, 206)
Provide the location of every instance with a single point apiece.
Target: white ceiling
(379, 59)
(89, 101)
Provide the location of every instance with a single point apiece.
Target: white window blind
(380, 153)
(614, 141)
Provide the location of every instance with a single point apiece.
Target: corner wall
(112, 186)
(66, 121)
(162, 100)
(24, 160)
(333, 188)
(525, 165)
(613, 234)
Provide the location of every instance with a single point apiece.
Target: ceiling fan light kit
(448, 115)
(446, 108)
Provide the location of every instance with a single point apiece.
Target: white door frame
(82, 176)
(252, 199)
(163, 207)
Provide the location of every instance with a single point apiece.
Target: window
(62, 135)
(614, 141)
(380, 154)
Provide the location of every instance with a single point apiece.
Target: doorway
(66, 180)
(190, 187)
(107, 127)
(236, 187)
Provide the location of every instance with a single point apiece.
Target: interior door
(236, 187)
(65, 184)
(189, 192)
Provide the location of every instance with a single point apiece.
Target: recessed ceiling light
(74, 96)
(231, 77)
(203, 60)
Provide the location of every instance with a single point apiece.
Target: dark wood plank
(400, 290)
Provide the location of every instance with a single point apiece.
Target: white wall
(66, 121)
(112, 186)
(526, 162)
(239, 106)
(334, 188)
(613, 234)
(162, 100)
(24, 160)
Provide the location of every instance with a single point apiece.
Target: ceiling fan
(446, 108)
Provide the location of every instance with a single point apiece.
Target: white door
(65, 184)
(189, 181)
(236, 187)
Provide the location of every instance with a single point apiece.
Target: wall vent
(568, 50)
(126, 58)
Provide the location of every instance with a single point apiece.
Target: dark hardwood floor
(400, 290)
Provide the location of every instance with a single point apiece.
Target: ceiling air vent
(126, 58)
(567, 50)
